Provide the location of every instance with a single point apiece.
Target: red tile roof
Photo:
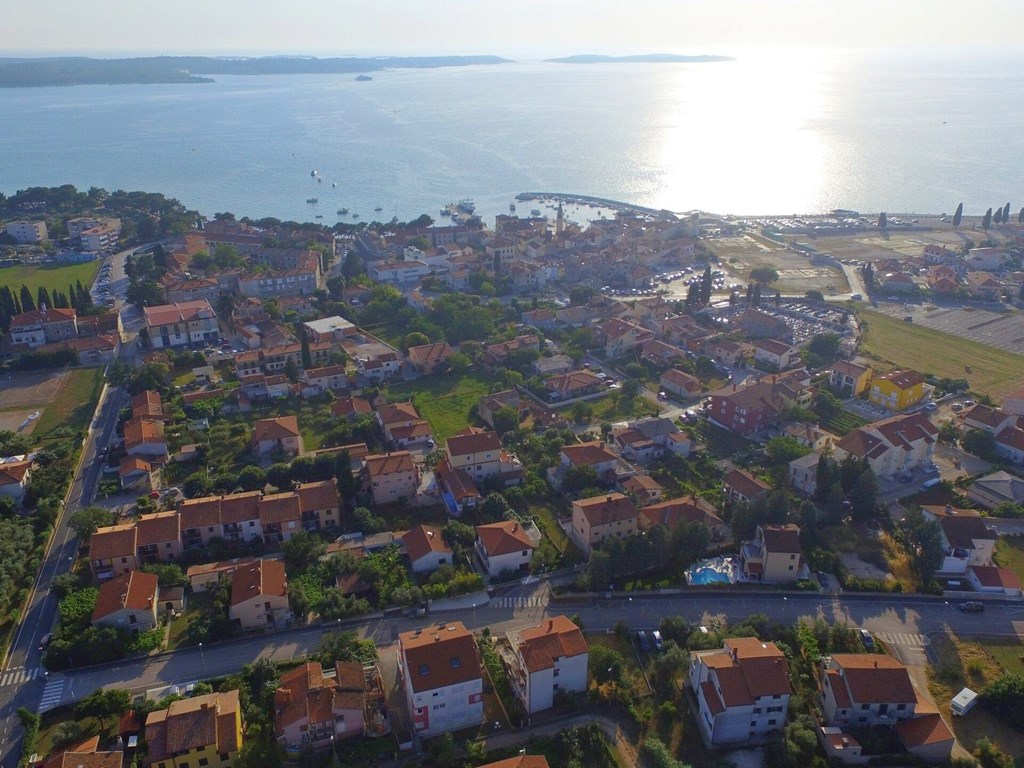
(588, 454)
(923, 731)
(389, 463)
(112, 542)
(279, 428)
(135, 590)
(262, 578)
(873, 678)
(439, 656)
(503, 538)
(609, 508)
(541, 646)
(183, 312)
(422, 540)
(472, 440)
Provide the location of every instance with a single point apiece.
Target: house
(319, 380)
(351, 408)
(896, 282)
(994, 580)
(181, 324)
(476, 452)
(803, 473)
(985, 258)
(898, 390)
(890, 446)
(439, 668)
(426, 548)
(742, 691)
(394, 415)
(199, 730)
(48, 325)
(600, 518)
(392, 476)
(281, 433)
(984, 286)
(966, 540)
(679, 444)
(27, 232)
(332, 328)
(312, 711)
(504, 547)
(498, 354)
(865, 690)
(112, 551)
(739, 485)
(760, 324)
(430, 358)
(280, 517)
(319, 504)
(995, 489)
(488, 404)
(547, 659)
(927, 737)
(83, 754)
(259, 595)
(810, 436)
(134, 472)
(145, 437)
(774, 556)
(128, 602)
(519, 761)
(200, 577)
(991, 420)
(261, 387)
(746, 410)
(148, 404)
(158, 538)
(680, 383)
(621, 336)
(553, 365)
(726, 351)
(14, 477)
(643, 489)
(690, 509)
(1010, 444)
(849, 379)
(594, 454)
(775, 355)
(573, 384)
(458, 490)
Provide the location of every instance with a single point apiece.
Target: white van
(930, 483)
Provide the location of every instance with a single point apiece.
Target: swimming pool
(717, 570)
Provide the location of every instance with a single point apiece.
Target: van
(928, 484)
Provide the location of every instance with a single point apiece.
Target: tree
(782, 450)
(27, 302)
(764, 275)
(922, 539)
(883, 220)
(102, 704)
(606, 665)
(706, 284)
(415, 339)
(506, 419)
(252, 478)
(986, 222)
(815, 295)
(822, 349)
(303, 550)
(86, 521)
(864, 495)
(1004, 697)
(1005, 214)
(1020, 216)
(958, 216)
(980, 443)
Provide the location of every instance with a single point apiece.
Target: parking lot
(1002, 330)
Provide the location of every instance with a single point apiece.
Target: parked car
(659, 644)
(972, 606)
(931, 469)
(45, 641)
(931, 406)
(643, 641)
(867, 639)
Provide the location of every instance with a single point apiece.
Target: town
(655, 489)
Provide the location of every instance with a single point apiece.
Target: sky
(509, 28)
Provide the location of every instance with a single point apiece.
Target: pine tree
(705, 286)
(43, 297)
(1006, 213)
(1020, 216)
(958, 216)
(987, 221)
(27, 303)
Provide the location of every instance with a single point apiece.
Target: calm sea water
(772, 132)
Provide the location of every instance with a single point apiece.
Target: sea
(775, 131)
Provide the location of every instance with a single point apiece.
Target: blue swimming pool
(718, 570)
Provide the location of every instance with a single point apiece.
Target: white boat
(313, 173)
(512, 207)
(466, 205)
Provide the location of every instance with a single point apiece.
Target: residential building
(177, 325)
(803, 473)
(987, 419)
(621, 336)
(100, 238)
(280, 517)
(475, 451)
(426, 548)
(746, 410)
(742, 691)
(488, 404)
(439, 668)
(547, 659)
(199, 730)
(602, 517)
(144, 437)
(112, 551)
(568, 386)
(498, 354)
(642, 489)
(14, 477)
(312, 711)
(281, 433)
(849, 379)
(774, 555)
(135, 474)
(983, 286)
(27, 232)
(50, 325)
(83, 754)
(810, 436)
(332, 328)
(158, 538)
(430, 358)
(895, 445)
(690, 509)
(351, 408)
(504, 547)
(259, 595)
(898, 390)
(202, 577)
(594, 454)
(1010, 444)
(966, 540)
(519, 761)
(760, 324)
(863, 690)
(680, 383)
(993, 579)
(319, 504)
(128, 602)
(992, 490)
(775, 355)
(927, 737)
(458, 491)
(392, 476)
(739, 486)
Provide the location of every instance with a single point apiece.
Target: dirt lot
(743, 253)
(872, 246)
(22, 394)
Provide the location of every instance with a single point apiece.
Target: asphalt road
(22, 682)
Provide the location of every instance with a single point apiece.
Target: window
(772, 722)
(901, 707)
(424, 670)
(757, 710)
(456, 662)
(203, 761)
(555, 674)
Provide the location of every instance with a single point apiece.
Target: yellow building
(201, 731)
(898, 390)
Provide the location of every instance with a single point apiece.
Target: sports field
(910, 345)
(60, 398)
(58, 276)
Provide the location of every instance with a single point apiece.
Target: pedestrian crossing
(517, 602)
(52, 694)
(18, 675)
(903, 638)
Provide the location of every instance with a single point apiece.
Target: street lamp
(202, 657)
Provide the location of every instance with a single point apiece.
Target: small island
(647, 58)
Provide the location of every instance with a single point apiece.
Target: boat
(363, 78)
(319, 180)
(445, 212)
(355, 215)
(318, 216)
(342, 211)
(378, 209)
(512, 207)
(312, 200)
(334, 183)
(466, 205)
(313, 173)
(535, 212)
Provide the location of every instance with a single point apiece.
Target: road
(22, 683)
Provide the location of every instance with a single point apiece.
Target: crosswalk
(517, 602)
(903, 638)
(18, 675)
(52, 694)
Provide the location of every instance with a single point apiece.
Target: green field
(58, 276)
(444, 401)
(1010, 554)
(74, 403)
(908, 345)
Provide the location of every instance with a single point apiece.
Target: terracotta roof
(262, 578)
(43, 317)
(842, 696)
(748, 669)
(147, 403)
(240, 507)
(112, 542)
(350, 685)
(711, 697)
(158, 528)
(14, 472)
(772, 346)
(690, 509)
(588, 454)
(846, 368)
(472, 440)
(922, 731)
(503, 538)
(139, 430)
(541, 646)
(873, 678)
(389, 463)
(224, 566)
(75, 758)
(641, 483)
(681, 379)
(128, 465)
(318, 495)
(990, 417)
(1011, 437)
(439, 656)
(200, 513)
(429, 355)
(397, 412)
(902, 379)
(193, 723)
(961, 527)
(744, 483)
(605, 509)
(995, 576)
(303, 693)
(182, 312)
(275, 429)
(422, 540)
(572, 381)
(277, 508)
(781, 538)
(135, 590)
(350, 406)
(520, 761)
(418, 429)
(459, 483)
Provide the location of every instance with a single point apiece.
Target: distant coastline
(647, 58)
(34, 73)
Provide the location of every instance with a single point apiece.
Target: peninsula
(648, 58)
(31, 73)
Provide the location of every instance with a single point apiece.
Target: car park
(972, 606)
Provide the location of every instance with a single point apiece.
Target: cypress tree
(43, 297)
(27, 303)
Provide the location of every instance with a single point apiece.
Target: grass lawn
(910, 345)
(843, 423)
(1010, 554)
(74, 403)
(87, 727)
(967, 664)
(614, 408)
(58, 276)
(444, 401)
(1008, 653)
